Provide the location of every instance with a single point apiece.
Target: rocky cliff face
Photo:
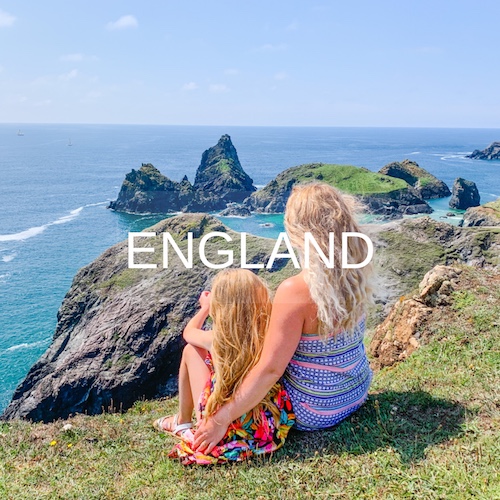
(492, 152)
(219, 179)
(118, 336)
(464, 194)
(426, 185)
(485, 215)
(383, 195)
(433, 312)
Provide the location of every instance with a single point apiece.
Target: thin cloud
(270, 47)
(78, 57)
(124, 22)
(218, 88)
(69, 76)
(292, 26)
(6, 19)
(280, 75)
(45, 102)
(231, 72)
(190, 86)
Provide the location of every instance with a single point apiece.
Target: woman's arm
(290, 306)
(193, 333)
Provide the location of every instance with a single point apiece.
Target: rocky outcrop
(402, 331)
(426, 185)
(147, 190)
(235, 210)
(485, 215)
(219, 179)
(492, 152)
(383, 195)
(220, 173)
(464, 194)
(118, 335)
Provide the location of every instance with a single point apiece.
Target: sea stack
(220, 173)
(220, 179)
(464, 194)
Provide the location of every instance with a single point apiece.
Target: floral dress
(245, 437)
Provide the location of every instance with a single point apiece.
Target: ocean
(56, 181)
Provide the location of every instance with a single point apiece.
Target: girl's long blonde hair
(240, 308)
(341, 295)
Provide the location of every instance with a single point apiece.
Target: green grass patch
(347, 178)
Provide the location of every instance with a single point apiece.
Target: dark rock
(220, 173)
(118, 335)
(147, 190)
(426, 185)
(464, 195)
(492, 152)
(219, 179)
(236, 210)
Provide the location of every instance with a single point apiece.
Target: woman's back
(328, 379)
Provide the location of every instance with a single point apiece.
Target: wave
(414, 153)
(8, 258)
(26, 345)
(35, 231)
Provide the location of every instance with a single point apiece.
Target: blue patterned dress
(328, 380)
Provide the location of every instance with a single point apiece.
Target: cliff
(426, 185)
(118, 335)
(219, 180)
(492, 152)
(484, 215)
(383, 195)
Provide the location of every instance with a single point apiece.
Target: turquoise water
(53, 198)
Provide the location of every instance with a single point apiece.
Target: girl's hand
(209, 434)
(204, 300)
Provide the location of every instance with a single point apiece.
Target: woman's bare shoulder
(293, 289)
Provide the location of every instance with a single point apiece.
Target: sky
(384, 63)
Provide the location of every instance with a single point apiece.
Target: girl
(315, 335)
(215, 362)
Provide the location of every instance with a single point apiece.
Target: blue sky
(302, 63)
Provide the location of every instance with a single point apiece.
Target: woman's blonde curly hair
(341, 295)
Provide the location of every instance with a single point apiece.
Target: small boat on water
(20, 132)
(69, 143)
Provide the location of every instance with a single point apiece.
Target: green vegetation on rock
(347, 178)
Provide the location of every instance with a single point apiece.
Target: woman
(315, 335)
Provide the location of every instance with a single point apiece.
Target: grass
(430, 429)
(347, 178)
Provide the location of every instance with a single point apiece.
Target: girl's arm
(285, 329)
(193, 333)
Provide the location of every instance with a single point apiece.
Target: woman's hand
(209, 433)
(204, 300)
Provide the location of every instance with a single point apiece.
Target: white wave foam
(24, 235)
(3, 277)
(34, 231)
(26, 345)
(67, 218)
(8, 258)
(414, 153)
